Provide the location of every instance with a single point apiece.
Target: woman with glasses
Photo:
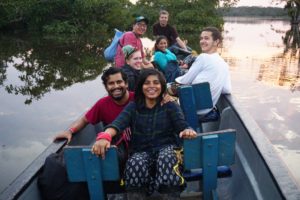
(133, 38)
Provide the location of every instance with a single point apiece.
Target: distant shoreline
(251, 18)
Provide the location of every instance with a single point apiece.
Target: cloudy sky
(263, 3)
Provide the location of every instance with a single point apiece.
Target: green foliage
(66, 16)
(90, 16)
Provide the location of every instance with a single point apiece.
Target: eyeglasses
(141, 25)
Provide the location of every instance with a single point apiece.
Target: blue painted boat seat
(194, 99)
(197, 174)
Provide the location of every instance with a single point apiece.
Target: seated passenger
(165, 60)
(133, 60)
(209, 67)
(153, 164)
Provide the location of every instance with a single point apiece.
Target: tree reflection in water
(288, 72)
(46, 64)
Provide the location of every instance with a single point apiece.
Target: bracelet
(73, 130)
(103, 135)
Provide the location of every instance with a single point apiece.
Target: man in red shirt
(107, 108)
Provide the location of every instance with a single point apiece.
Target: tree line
(253, 11)
(96, 16)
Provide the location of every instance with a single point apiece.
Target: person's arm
(181, 43)
(118, 125)
(176, 115)
(160, 60)
(146, 63)
(192, 73)
(103, 142)
(227, 84)
(75, 127)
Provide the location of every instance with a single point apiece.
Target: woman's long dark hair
(158, 39)
(139, 95)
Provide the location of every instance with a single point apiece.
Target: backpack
(53, 181)
(111, 50)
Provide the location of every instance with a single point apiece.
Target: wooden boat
(258, 172)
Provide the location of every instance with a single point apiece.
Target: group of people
(138, 115)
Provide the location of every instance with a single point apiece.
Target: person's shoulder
(103, 101)
(131, 96)
(126, 68)
(169, 52)
(158, 53)
(171, 105)
(155, 25)
(129, 34)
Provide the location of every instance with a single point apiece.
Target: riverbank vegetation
(254, 11)
(96, 16)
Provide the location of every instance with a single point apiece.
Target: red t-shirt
(133, 40)
(106, 110)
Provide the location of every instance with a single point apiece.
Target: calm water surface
(45, 85)
(266, 81)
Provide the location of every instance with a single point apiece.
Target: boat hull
(258, 172)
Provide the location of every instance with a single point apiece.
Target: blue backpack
(111, 50)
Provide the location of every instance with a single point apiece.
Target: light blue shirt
(162, 58)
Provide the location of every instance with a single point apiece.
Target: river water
(45, 86)
(265, 79)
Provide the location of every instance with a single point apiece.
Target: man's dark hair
(216, 34)
(139, 95)
(112, 71)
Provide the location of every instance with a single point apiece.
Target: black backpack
(53, 181)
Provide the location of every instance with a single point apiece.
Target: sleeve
(174, 32)
(176, 115)
(227, 84)
(160, 60)
(192, 73)
(94, 114)
(124, 118)
(154, 30)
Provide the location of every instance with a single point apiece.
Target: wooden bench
(194, 98)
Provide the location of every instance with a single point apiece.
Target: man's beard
(119, 97)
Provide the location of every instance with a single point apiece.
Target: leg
(169, 177)
(137, 173)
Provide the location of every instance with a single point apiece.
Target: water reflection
(265, 78)
(46, 64)
(288, 62)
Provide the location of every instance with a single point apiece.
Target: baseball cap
(141, 18)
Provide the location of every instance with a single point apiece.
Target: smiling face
(162, 45)
(163, 19)
(135, 60)
(152, 88)
(116, 87)
(207, 44)
(140, 28)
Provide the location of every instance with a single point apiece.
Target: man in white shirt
(209, 66)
